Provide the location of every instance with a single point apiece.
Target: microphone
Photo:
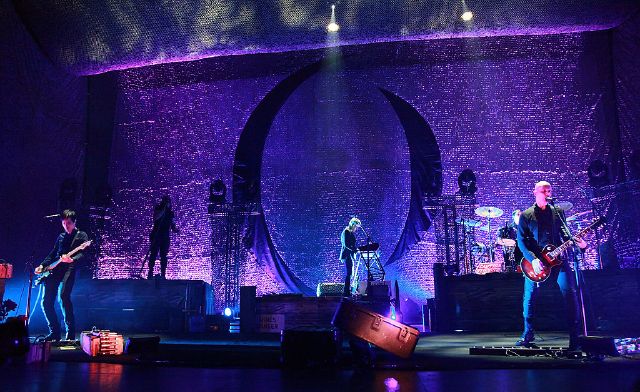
(550, 199)
(51, 216)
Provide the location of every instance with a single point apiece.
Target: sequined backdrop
(92, 36)
(514, 109)
(488, 100)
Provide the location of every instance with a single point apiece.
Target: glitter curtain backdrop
(514, 109)
(93, 36)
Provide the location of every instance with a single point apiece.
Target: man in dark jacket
(348, 251)
(62, 268)
(540, 225)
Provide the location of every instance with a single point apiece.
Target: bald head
(541, 191)
(540, 185)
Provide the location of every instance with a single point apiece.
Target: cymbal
(578, 215)
(505, 242)
(489, 212)
(564, 205)
(469, 222)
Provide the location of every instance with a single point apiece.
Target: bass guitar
(47, 271)
(550, 255)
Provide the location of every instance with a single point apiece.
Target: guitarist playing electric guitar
(540, 225)
(62, 276)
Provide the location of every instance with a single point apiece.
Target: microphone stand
(30, 269)
(576, 266)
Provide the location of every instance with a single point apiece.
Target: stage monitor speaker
(142, 345)
(598, 345)
(379, 289)
(14, 338)
(248, 309)
(216, 323)
(309, 347)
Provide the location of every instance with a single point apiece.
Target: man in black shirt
(348, 251)
(62, 277)
(159, 238)
(540, 225)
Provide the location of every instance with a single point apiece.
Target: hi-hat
(469, 222)
(489, 212)
(564, 205)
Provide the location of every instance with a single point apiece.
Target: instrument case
(387, 334)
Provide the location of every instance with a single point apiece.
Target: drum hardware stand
(467, 236)
(490, 247)
(489, 213)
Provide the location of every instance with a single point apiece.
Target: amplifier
(6, 271)
(330, 289)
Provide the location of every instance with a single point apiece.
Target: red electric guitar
(550, 255)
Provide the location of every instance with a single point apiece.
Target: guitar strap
(553, 223)
(73, 241)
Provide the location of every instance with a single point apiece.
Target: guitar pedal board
(533, 351)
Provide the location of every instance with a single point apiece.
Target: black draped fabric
(426, 172)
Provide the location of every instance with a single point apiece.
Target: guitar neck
(560, 249)
(70, 254)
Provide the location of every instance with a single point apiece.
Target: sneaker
(526, 340)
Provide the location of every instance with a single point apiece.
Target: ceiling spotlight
(333, 27)
(467, 16)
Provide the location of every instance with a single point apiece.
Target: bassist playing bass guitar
(60, 281)
(540, 225)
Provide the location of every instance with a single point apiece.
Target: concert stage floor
(440, 362)
(433, 352)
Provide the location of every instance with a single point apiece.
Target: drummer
(507, 238)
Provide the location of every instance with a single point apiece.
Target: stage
(225, 160)
(440, 363)
(433, 352)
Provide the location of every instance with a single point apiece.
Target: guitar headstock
(85, 244)
(599, 221)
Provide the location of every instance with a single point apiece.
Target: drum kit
(476, 251)
(505, 235)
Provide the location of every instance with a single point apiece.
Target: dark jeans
(59, 286)
(162, 246)
(566, 280)
(348, 263)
